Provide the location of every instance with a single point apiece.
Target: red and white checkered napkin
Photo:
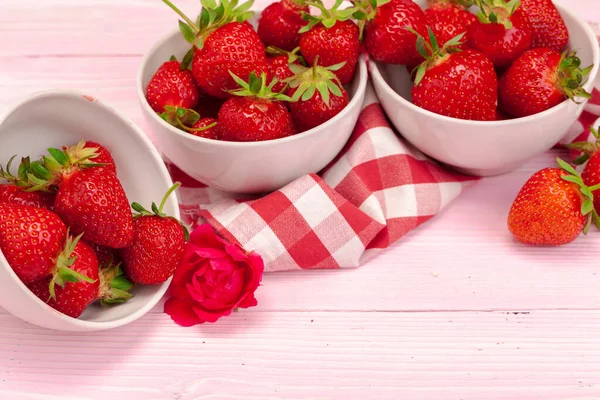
(378, 189)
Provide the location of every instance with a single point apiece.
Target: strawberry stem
(164, 200)
(173, 7)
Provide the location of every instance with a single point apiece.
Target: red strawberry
(97, 154)
(318, 95)
(15, 195)
(279, 68)
(541, 79)
(172, 85)
(447, 20)
(502, 32)
(191, 122)
(106, 256)
(222, 43)
(553, 208)
(209, 106)
(255, 113)
(207, 128)
(280, 22)
(31, 240)
(590, 152)
(333, 38)
(441, 87)
(547, 25)
(157, 247)
(89, 199)
(73, 298)
(386, 38)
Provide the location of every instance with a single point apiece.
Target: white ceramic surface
(479, 147)
(247, 167)
(56, 118)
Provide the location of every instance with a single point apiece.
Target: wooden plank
(294, 355)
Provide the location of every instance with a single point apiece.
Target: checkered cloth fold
(378, 189)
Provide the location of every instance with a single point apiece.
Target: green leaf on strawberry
(328, 17)
(257, 87)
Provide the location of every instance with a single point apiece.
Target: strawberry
(31, 240)
(280, 22)
(73, 298)
(590, 153)
(255, 113)
(502, 31)
(222, 42)
(172, 85)
(448, 19)
(384, 23)
(333, 38)
(106, 256)
(191, 122)
(89, 198)
(279, 68)
(553, 207)
(541, 79)
(209, 106)
(547, 25)
(157, 247)
(440, 86)
(318, 95)
(96, 153)
(15, 195)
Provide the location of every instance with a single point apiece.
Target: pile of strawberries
(68, 231)
(503, 62)
(238, 84)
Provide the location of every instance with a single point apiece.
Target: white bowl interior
(61, 118)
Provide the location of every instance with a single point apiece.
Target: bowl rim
(164, 174)
(589, 84)
(361, 74)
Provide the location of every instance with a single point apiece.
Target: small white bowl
(247, 167)
(481, 147)
(56, 118)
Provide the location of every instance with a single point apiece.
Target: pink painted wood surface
(431, 318)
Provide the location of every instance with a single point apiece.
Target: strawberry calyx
(365, 12)
(586, 148)
(309, 80)
(212, 17)
(157, 211)
(114, 285)
(328, 16)
(62, 272)
(47, 172)
(570, 76)
(257, 87)
(183, 118)
(587, 205)
(459, 3)
(497, 11)
(293, 55)
(432, 52)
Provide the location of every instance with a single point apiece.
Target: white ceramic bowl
(480, 147)
(247, 167)
(56, 118)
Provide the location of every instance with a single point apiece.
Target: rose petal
(214, 305)
(231, 290)
(180, 292)
(204, 235)
(184, 272)
(181, 312)
(196, 295)
(224, 264)
(236, 252)
(248, 301)
(208, 252)
(208, 316)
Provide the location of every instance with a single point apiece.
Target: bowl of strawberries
(248, 102)
(481, 85)
(89, 230)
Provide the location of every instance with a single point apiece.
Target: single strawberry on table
(502, 31)
(440, 85)
(383, 26)
(89, 197)
(191, 122)
(157, 246)
(449, 18)
(279, 62)
(74, 297)
(333, 37)
(541, 79)
(172, 85)
(255, 112)
(547, 25)
(280, 23)
(553, 207)
(221, 42)
(317, 93)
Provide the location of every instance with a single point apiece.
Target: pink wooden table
(454, 311)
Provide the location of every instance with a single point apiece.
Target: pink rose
(213, 279)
